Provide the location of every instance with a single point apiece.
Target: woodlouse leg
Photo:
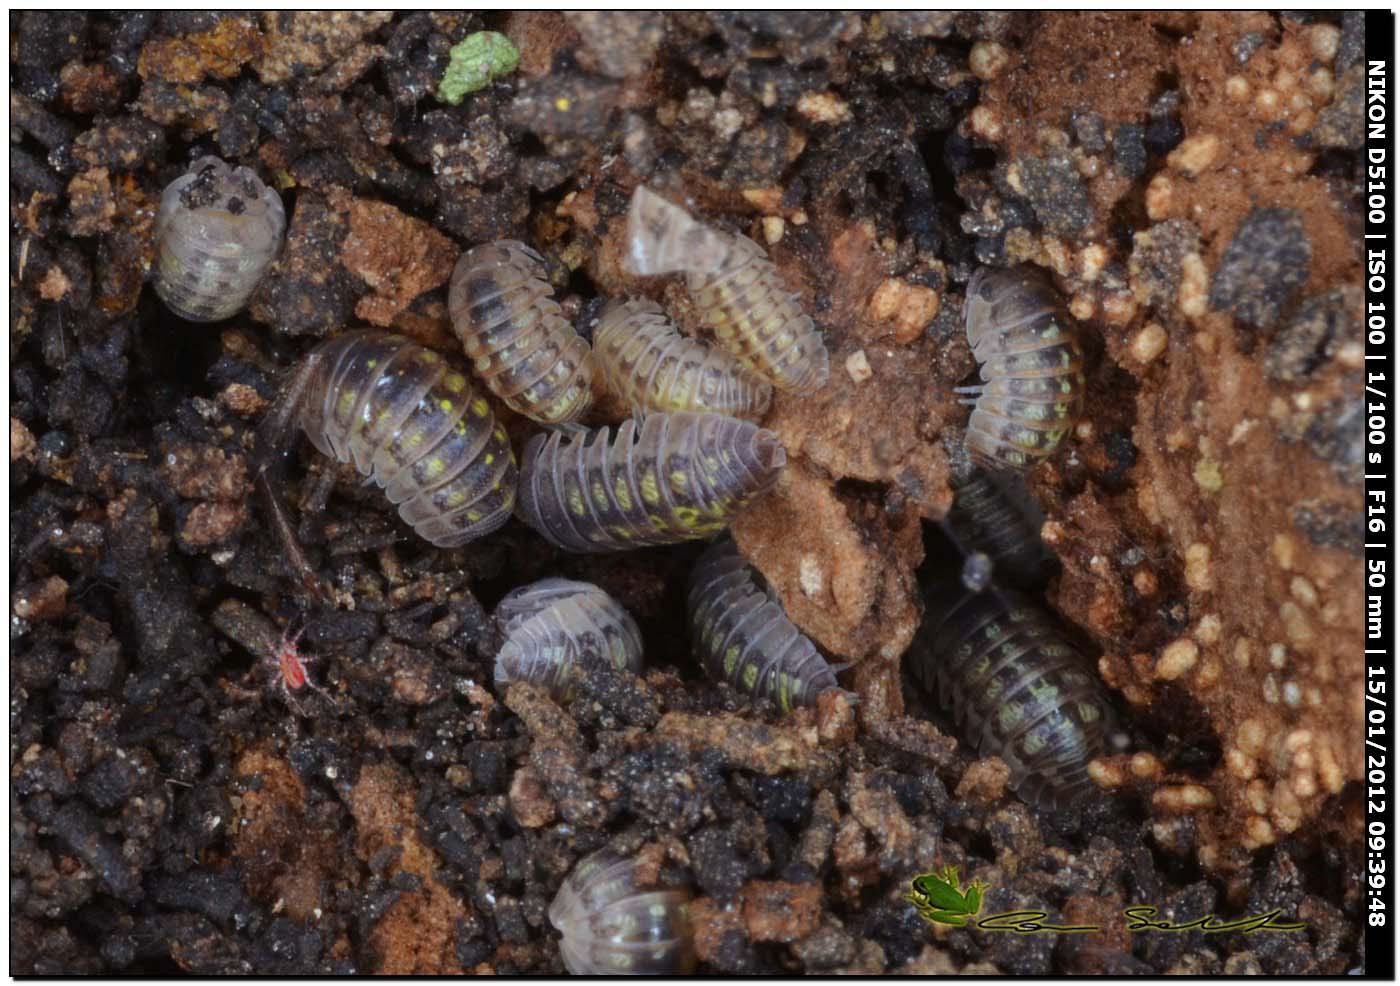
(292, 701)
(273, 439)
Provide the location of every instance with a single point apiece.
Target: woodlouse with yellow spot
(651, 366)
(409, 422)
(736, 288)
(1017, 688)
(520, 344)
(740, 633)
(1032, 367)
(590, 494)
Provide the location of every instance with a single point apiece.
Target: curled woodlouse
(1017, 688)
(410, 423)
(613, 923)
(217, 230)
(503, 310)
(648, 363)
(1031, 365)
(679, 477)
(736, 288)
(549, 629)
(993, 515)
(741, 634)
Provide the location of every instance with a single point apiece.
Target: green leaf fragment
(476, 60)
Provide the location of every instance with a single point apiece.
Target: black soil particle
(1263, 267)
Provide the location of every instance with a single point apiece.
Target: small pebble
(988, 59)
(904, 309)
(529, 801)
(1158, 198)
(1149, 343)
(859, 367)
(1177, 658)
(1196, 154)
(1182, 797)
(41, 600)
(1324, 39)
(985, 124)
(1198, 569)
(836, 720)
(22, 442)
(823, 107)
(1193, 293)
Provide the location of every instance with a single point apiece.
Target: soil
(1192, 182)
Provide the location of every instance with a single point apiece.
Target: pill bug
(741, 635)
(1031, 365)
(1017, 688)
(613, 923)
(217, 230)
(410, 423)
(520, 344)
(549, 629)
(680, 477)
(993, 515)
(736, 288)
(649, 364)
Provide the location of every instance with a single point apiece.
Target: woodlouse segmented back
(741, 634)
(648, 363)
(1031, 363)
(412, 424)
(550, 629)
(737, 289)
(521, 345)
(1018, 689)
(680, 477)
(613, 923)
(217, 231)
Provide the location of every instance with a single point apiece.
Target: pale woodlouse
(736, 288)
(1032, 367)
(217, 231)
(550, 629)
(614, 923)
(741, 634)
(1017, 688)
(410, 423)
(649, 364)
(679, 477)
(504, 312)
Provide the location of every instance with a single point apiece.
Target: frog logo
(938, 897)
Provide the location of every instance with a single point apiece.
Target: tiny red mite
(291, 667)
